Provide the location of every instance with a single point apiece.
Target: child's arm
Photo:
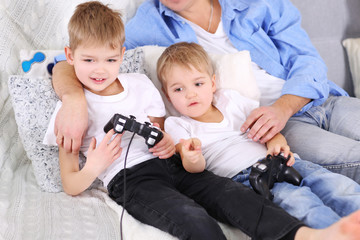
(165, 148)
(158, 121)
(191, 155)
(278, 144)
(72, 119)
(74, 180)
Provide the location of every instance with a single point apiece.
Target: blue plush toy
(38, 58)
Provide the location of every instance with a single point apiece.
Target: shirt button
(183, 22)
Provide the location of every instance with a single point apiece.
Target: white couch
(30, 209)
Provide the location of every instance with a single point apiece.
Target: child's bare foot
(347, 228)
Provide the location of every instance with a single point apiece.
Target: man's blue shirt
(269, 29)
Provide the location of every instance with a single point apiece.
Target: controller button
(151, 141)
(119, 128)
(154, 133)
(262, 167)
(121, 120)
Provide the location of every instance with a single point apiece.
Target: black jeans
(162, 194)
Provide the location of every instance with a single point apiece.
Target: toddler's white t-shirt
(223, 144)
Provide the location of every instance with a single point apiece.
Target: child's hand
(277, 145)
(165, 148)
(276, 149)
(191, 150)
(191, 155)
(102, 156)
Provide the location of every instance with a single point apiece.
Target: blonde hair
(96, 23)
(186, 55)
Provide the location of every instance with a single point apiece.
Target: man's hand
(71, 123)
(266, 121)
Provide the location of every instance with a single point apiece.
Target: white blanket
(27, 212)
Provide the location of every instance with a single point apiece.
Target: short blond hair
(96, 23)
(186, 55)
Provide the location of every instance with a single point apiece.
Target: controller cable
(124, 186)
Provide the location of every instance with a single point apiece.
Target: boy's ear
(122, 53)
(69, 55)
(213, 82)
(167, 96)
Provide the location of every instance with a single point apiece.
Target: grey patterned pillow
(34, 101)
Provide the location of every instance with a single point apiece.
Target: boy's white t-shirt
(219, 43)
(226, 149)
(140, 98)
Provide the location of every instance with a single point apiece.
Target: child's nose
(190, 94)
(100, 68)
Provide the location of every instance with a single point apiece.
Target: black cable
(124, 196)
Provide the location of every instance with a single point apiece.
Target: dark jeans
(162, 194)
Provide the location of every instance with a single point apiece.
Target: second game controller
(269, 170)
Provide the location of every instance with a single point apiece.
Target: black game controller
(120, 123)
(269, 170)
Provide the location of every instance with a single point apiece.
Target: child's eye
(88, 60)
(178, 89)
(199, 84)
(111, 60)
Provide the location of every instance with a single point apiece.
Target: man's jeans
(159, 192)
(329, 135)
(322, 198)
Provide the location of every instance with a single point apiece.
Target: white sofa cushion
(352, 46)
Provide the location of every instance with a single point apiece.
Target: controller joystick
(120, 123)
(269, 170)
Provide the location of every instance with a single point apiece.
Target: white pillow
(232, 71)
(34, 100)
(352, 46)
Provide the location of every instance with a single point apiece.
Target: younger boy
(208, 135)
(159, 191)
